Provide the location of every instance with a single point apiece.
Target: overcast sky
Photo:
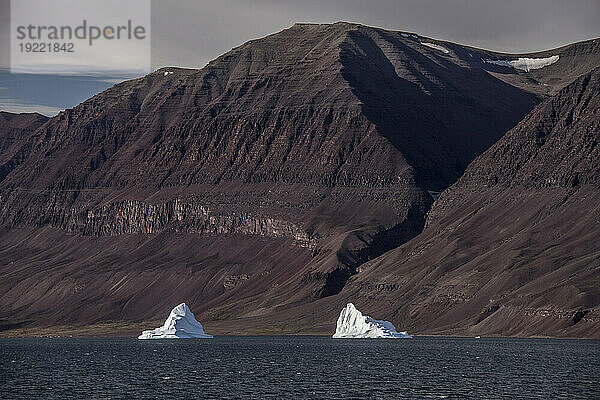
(192, 32)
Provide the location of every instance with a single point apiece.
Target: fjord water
(299, 367)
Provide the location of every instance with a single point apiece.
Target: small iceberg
(181, 324)
(351, 324)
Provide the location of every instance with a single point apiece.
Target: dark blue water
(299, 367)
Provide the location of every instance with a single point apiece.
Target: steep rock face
(276, 172)
(135, 217)
(512, 248)
(14, 127)
(556, 145)
(416, 96)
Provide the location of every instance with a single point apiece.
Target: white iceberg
(181, 324)
(352, 324)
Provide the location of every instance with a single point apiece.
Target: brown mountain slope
(513, 248)
(14, 127)
(252, 189)
(315, 104)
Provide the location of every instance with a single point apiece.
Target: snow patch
(406, 35)
(436, 46)
(351, 324)
(168, 73)
(181, 324)
(524, 63)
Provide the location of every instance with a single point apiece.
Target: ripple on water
(299, 367)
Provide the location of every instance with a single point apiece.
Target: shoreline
(132, 330)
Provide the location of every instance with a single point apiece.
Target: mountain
(512, 248)
(254, 189)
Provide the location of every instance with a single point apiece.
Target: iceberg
(181, 324)
(351, 324)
